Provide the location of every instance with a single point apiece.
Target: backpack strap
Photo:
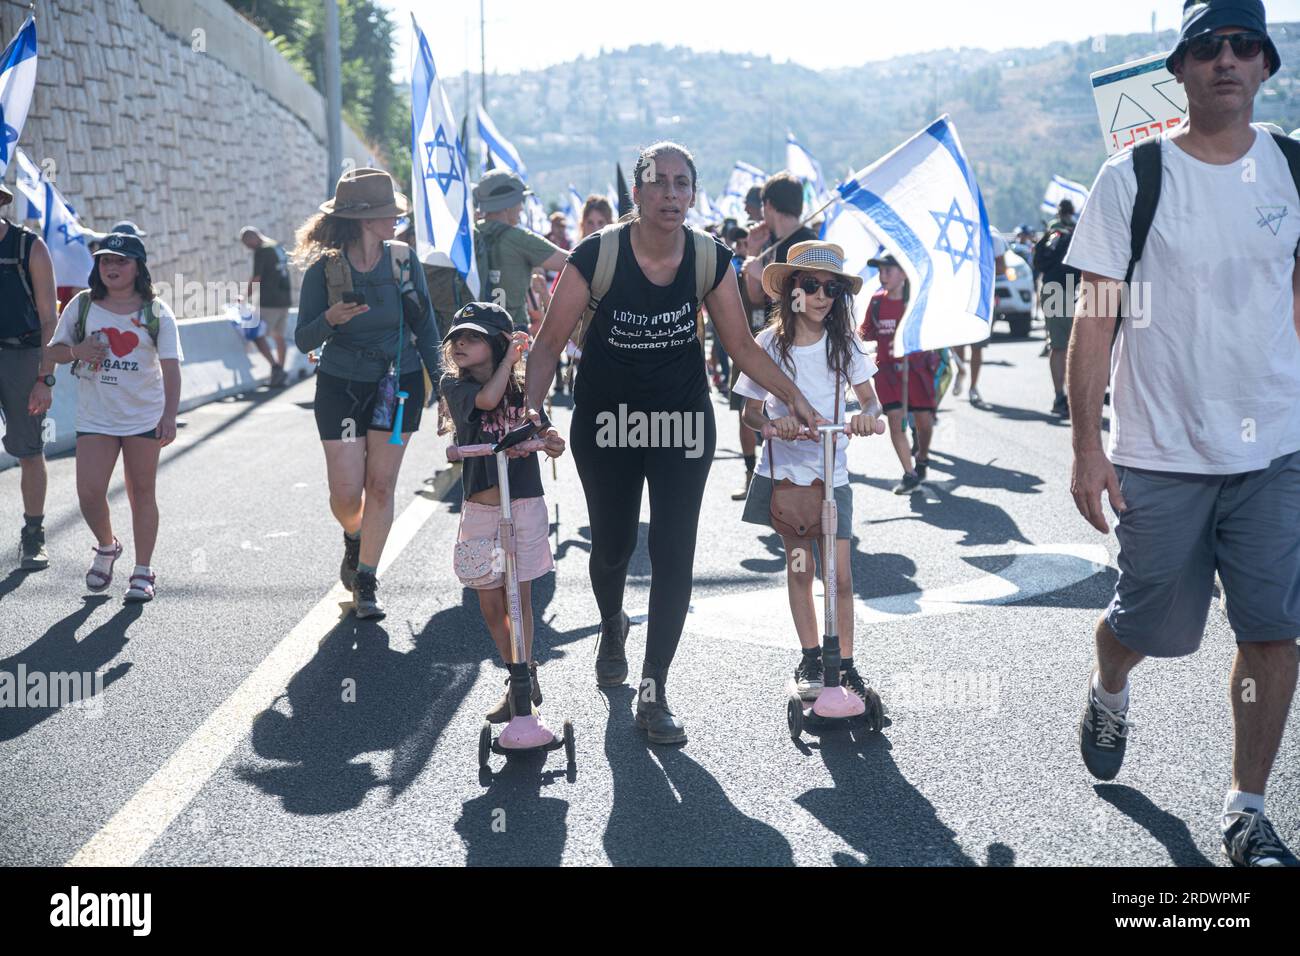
(152, 320)
(1291, 150)
(25, 238)
(82, 302)
(1148, 171)
(601, 279)
(338, 276)
(706, 267)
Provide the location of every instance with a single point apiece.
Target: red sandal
(98, 580)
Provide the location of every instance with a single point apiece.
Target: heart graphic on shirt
(121, 343)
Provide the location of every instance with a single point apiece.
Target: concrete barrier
(219, 362)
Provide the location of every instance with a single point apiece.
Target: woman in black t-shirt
(642, 413)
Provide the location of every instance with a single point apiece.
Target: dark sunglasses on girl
(1245, 46)
(834, 287)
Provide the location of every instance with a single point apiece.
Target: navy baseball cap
(1206, 16)
(122, 244)
(129, 228)
(486, 318)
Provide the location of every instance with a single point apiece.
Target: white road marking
(750, 616)
(142, 819)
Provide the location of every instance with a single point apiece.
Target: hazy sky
(526, 34)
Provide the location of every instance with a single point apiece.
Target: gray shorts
(758, 506)
(18, 371)
(275, 319)
(1179, 528)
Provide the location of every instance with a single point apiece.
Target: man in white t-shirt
(1204, 460)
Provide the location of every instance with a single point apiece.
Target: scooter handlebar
(459, 452)
(769, 431)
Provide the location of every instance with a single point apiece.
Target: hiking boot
(351, 557)
(1250, 840)
(1061, 407)
(911, 481)
(611, 659)
(501, 713)
(741, 493)
(367, 606)
(852, 681)
(658, 721)
(34, 555)
(808, 677)
(1103, 735)
(922, 466)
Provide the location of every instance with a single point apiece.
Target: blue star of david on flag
(7, 135)
(452, 175)
(946, 221)
(69, 237)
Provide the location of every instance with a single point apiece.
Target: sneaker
(808, 677)
(909, 484)
(852, 681)
(351, 558)
(1103, 735)
(1250, 840)
(367, 606)
(741, 493)
(501, 713)
(1061, 407)
(922, 466)
(34, 555)
(959, 381)
(611, 659)
(975, 397)
(658, 721)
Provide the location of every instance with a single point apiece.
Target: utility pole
(333, 96)
(469, 153)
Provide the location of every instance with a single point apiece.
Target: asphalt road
(246, 718)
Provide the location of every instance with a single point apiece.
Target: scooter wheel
(875, 711)
(570, 748)
(794, 718)
(484, 745)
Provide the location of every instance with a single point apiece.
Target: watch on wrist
(48, 380)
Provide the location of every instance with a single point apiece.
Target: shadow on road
(669, 811)
(1170, 830)
(512, 823)
(58, 652)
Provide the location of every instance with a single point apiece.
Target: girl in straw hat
(811, 337)
(365, 301)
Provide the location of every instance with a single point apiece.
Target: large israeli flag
(63, 234)
(849, 233)
(17, 84)
(503, 153)
(801, 163)
(573, 213)
(923, 204)
(1061, 188)
(444, 214)
(743, 177)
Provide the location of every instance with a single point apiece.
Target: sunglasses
(834, 287)
(1245, 46)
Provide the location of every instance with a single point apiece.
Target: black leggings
(612, 478)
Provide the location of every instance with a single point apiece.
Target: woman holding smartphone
(365, 301)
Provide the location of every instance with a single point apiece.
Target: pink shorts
(533, 556)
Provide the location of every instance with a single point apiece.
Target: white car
(1013, 296)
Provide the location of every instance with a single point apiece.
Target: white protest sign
(1137, 100)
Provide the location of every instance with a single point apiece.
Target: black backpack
(1149, 172)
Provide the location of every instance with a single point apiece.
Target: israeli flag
(1061, 188)
(800, 162)
(444, 212)
(922, 203)
(574, 213)
(849, 233)
(503, 153)
(17, 84)
(63, 235)
(535, 217)
(743, 177)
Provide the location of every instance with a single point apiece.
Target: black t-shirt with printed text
(642, 349)
(477, 427)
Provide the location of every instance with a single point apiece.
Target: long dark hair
(143, 285)
(514, 393)
(840, 337)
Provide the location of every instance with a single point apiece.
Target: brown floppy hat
(366, 194)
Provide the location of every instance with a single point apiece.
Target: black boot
(611, 656)
(502, 712)
(653, 714)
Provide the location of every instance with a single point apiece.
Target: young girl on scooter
(483, 396)
(811, 337)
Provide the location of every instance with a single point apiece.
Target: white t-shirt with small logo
(801, 461)
(123, 394)
(1207, 379)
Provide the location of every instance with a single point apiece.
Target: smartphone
(354, 298)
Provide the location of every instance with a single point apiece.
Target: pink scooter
(834, 703)
(526, 733)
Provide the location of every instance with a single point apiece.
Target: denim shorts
(1178, 529)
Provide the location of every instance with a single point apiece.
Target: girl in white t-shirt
(811, 337)
(127, 353)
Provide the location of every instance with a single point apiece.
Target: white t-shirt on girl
(801, 461)
(123, 395)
